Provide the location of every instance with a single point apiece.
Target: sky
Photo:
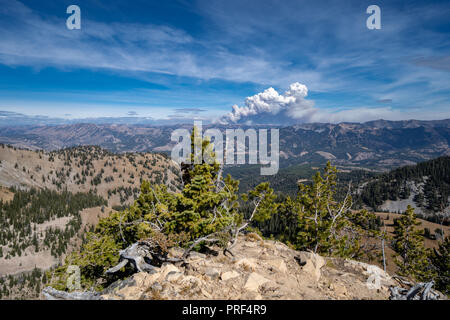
(226, 61)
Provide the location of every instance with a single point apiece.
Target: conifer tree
(440, 259)
(323, 224)
(411, 254)
(205, 211)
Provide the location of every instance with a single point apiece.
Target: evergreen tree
(440, 259)
(205, 211)
(321, 223)
(411, 255)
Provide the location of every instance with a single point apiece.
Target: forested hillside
(116, 177)
(427, 184)
(49, 199)
(286, 180)
(22, 220)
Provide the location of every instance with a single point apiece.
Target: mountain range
(378, 145)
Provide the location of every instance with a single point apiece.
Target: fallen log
(420, 291)
(52, 294)
(143, 256)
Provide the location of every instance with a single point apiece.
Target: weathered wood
(121, 264)
(142, 256)
(134, 255)
(420, 291)
(52, 294)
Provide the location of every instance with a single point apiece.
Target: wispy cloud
(121, 46)
(324, 45)
(438, 63)
(190, 110)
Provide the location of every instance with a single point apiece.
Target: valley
(376, 145)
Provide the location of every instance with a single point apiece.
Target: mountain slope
(425, 186)
(48, 200)
(116, 177)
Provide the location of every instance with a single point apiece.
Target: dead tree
(52, 294)
(143, 256)
(420, 291)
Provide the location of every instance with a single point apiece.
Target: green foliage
(408, 243)
(205, 210)
(440, 260)
(31, 207)
(98, 254)
(316, 221)
(392, 186)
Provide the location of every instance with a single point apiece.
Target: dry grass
(124, 170)
(5, 194)
(391, 267)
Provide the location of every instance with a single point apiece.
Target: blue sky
(196, 59)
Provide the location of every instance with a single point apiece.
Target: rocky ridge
(259, 269)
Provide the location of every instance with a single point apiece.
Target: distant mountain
(379, 145)
(115, 138)
(376, 144)
(15, 119)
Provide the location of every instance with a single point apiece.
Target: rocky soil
(259, 270)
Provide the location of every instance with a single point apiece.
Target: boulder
(144, 279)
(196, 256)
(339, 289)
(174, 276)
(375, 276)
(166, 268)
(270, 286)
(311, 263)
(254, 281)
(229, 275)
(213, 273)
(190, 281)
(277, 264)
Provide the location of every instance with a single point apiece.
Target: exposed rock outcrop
(258, 270)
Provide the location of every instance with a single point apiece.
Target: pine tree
(324, 225)
(440, 260)
(205, 211)
(408, 243)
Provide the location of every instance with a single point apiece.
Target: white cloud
(270, 107)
